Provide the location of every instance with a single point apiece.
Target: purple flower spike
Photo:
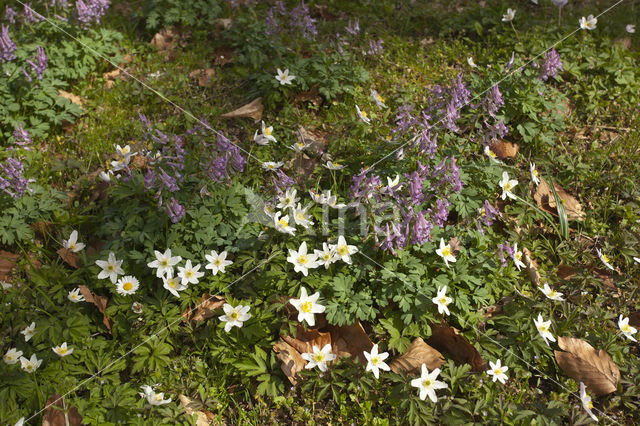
(7, 46)
(175, 210)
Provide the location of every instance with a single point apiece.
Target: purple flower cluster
(12, 181)
(502, 248)
(353, 29)
(7, 46)
(493, 101)
(30, 15)
(38, 64)
(551, 66)
(175, 210)
(375, 47)
(486, 215)
(20, 136)
(10, 14)
(271, 20)
(301, 19)
(91, 11)
(282, 182)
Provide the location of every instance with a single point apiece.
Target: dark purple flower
(40, 64)
(12, 181)
(421, 229)
(149, 179)
(301, 19)
(273, 27)
(168, 181)
(353, 29)
(175, 210)
(217, 168)
(10, 14)
(7, 46)
(404, 119)
(487, 215)
(375, 47)
(20, 136)
(551, 66)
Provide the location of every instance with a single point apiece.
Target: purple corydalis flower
(551, 66)
(486, 215)
(10, 14)
(353, 29)
(375, 47)
(40, 64)
(149, 179)
(493, 101)
(21, 136)
(12, 181)
(168, 181)
(502, 248)
(90, 11)
(301, 19)
(31, 15)
(7, 46)
(175, 210)
(282, 182)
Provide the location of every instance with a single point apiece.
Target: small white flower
(363, 115)
(288, 200)
(29, 331)
(307, 306)
(445, 253)
(127, 285)
(343, 250)
(588, 23)
(20, 422)
(270, 165)
(267, 133)
(636, 259)
(507, 186)
(626, 329)
(550, 293)
(378, 99)
(105, 176)
(302, 261)
(217, 262)
(333, 166)
(517, 257)
(298, 146)
(393, 183)
(375, 361)
(605, 259)
(125, 152)
(508, 17)
(6, 286)
(30, 365)
(492, 155)
(300, 216)
(332, 200)
(111, 268)
(498, 371)
(317, 197)
(152, 397)
(543, 328)
(173, 284)
(282, 224)
(284, 77)
(190, 274)
(427, 384)
(136, 307)
(471, 63)
(443, 301)
(630, 28)
(75, 296)
(234, 316)
(72, 243)
(62, 350)
(586, 401)
(534, 173)
(319, 357)
(12, 356)
(120, 164)
(269, 210)
(164, 263)
(326, 256)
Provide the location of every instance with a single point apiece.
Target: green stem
(546, 215)
(35, 380)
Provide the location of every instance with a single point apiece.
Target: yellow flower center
(444, 301)
(590, 404)
(553, 293)
(363, 113)
(172, 283)
(491, 154)
(268, 131)
(543, 328)
(234, 315)
(306, 306)
(446, 251)
(426, 383)
(535, 172)
(283, 222)
(319, 357)
(302, 259)
(483, 212)
(507, 186)
(380, 99)
(62, 351)
(626, 329)
(336, 164)
(605, 258)
(127, 286)
(158, 398)
(270, 166)
(375, 360)
(189, 274)
(110, 267)
(326, 256)
(519, 256)
(72, 246)
(164, 263)
(497, 371)
(343, 250)
(217, 262)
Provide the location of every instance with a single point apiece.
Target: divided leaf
(418, 353)
(585, 364)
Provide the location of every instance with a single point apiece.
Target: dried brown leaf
(165, 39)
(290, 359)
(418, 353)
(446, 338)
(543, 195)
(56, 415)
(7, 263)
(204, 76)
(204, 309)
(71, 97)
(251, 110)
(585, 364)
(223, 24)
(565, 272)
(504, 149)
(623, 42)
(69, 257)
(305, 340)
(349, 340)
(99, 301)
(191, 407)
(634, 319)
(532, 267)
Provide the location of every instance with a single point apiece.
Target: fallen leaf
(204, 309)
(323, 11)
(191, 407)
(251, 110)
(418, 353)
(127, 59)
(204, 76)
(7, 263)
(291, 361)
(349, 340)
(634, 319)
(446, 338)
(69, 257)
(55, 413)
(112, 75)
(565, 272)
(99, 301)
(305, 340)
(455, 245)
(532, 267)
(165, 39)
(623, 42)
(71, 97)
(504, 149)
(223, 24)
(543, 195)
(606, 278)
(585, 364)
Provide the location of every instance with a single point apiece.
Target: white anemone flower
(300, 216)
(111, 268)
(288, 200)
(363, 115)
(343, 250)
(75, 296)
(152, 397)
(471, 63)
(497, 371)
(298, 146)
(319, 357)
(630, 28)
(317, 197)
(282, 224)
(30, 365)
(605, 259)
(127, 285)
(267, 133)
(507, 186)
(626, 329)
(105, 176)
(534, 173)
(302, 261)
(20, 422)
(72, 243)
(445, 253)
(307, 306)
(271, 165)
(378, 99)
(164, 263)
(492, 155)
(12, 356)
(234, 317)
(394, 183)
(517, 257)
(284, 77)
(333, 166)
(427, 383)
(29, 331)
(63, 350)
(588, 23)
(332, 200)
(636, 259)
(550, 293)
(173, 284)
(586, 401)
(375, 361)
(508, 17)
(125, 152)
(217, 262)
(543, 328)
(443, 301)
(190, 274)
(326, 256)
(120, 164)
